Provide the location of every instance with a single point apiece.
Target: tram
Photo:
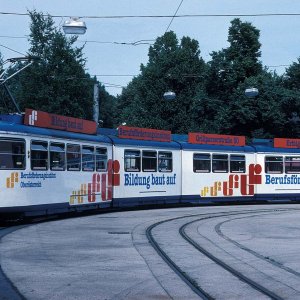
(52, 164)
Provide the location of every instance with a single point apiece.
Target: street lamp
(251, 92)
(169, 95)
(74, 26)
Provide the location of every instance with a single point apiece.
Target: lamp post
(74, 26)
(96, 111)
(251, 92)
(169, 95)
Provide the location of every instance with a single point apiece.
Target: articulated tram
(52, 164)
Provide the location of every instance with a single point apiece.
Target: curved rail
(225, 266)
(244, 248)
(185, 277)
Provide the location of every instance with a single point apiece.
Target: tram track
(196, 287)
(226, 266)
(183, 273)
(258, 255)
(184, 276)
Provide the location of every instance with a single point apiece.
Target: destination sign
(126, 132)
(216, 139)
(286, 143)
(52, 121)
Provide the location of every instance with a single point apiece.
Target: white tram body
(216, 173)
(280, 173)
(150, 172)
(48, 171)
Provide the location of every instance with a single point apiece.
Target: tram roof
(25, 129)
(199, 147)
(270, 149)
(143, 143)
(14, 123)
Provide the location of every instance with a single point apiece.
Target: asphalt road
(109, 256)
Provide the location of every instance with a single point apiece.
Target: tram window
(132, 160)
(220, 163)
(12, 154)
(149, 161)
(292, 164)
(57, 157)
(165, 161)
(101, 159)
(73, 157)
(39, 155)
(201, 163)
(88, 158)
(274, 164)
(237, 164)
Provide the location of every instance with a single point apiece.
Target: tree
(231, 66)
(1, 62)
(270, 114)
(228, 74)
(172, 66)
(291, 81)
(57, 81)
(292, 76)
(244, 50)
(4, 103)
(107, 113)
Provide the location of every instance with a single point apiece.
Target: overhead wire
(174, 16)
(142, 42)
(115, 75)
(139, 42)
(13, 37)
(13, 50)
(163, 16)
(135, 43)
(113, 84)
(278, 66)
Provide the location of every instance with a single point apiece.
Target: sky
(115, 64)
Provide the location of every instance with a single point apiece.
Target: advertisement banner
(52, 121)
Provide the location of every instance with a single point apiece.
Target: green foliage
(106, 108)
(6, 104)
(2, 92)
(267, 115)
(56, 82)
(1, 62)
(172, 66)
(232, 71)
(231, 66)
(292, 78)
(210, 97)
(275, 110)
(59, 83)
